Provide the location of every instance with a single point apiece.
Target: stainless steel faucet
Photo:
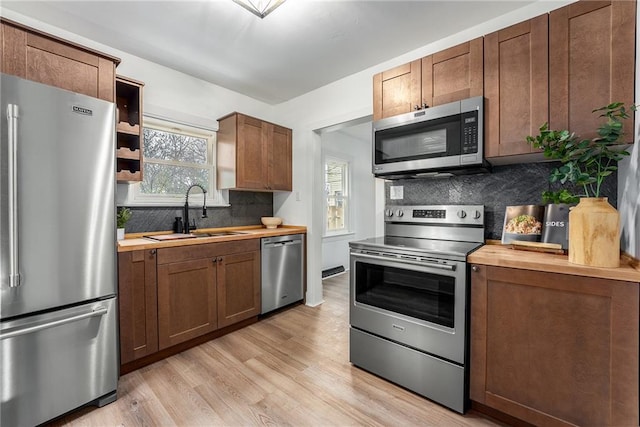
(187, 226)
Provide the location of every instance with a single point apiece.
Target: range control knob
(462, 214)
(476, 214)
(389, 212)
(400, 213)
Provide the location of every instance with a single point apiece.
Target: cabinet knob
(416, 107)
(425, 105)
(152, 252)
(219, 259)
(475, 268)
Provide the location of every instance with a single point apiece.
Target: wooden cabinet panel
(515, 86)
(253, 154)
(186, 300)
(238, 287)
(137, 299)
(592, 51)
(453, 74)
(280, 158)
(554, 349)
(46, 59)
(397, 91)
(129, 133)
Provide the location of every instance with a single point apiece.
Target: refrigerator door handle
(96, 312)
(14, 265)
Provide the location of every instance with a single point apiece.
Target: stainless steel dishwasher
(282, 271)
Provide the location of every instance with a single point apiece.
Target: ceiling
(301, 46)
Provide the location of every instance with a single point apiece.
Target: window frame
(347, 161)
(215, 197)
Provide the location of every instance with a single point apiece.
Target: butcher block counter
(503, 256)
(138, 241)
(554, 343)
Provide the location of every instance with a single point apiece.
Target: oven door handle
(408, 261)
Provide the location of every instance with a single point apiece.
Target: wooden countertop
(137, 241)
(504, 256)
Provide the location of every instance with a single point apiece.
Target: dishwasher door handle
(280, 244)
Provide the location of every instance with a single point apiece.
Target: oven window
(415, 294)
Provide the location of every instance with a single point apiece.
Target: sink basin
(218, 233)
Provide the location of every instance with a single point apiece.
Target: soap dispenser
(177, 225)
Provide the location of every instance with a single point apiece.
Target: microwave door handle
(408, 261)
(12, 160)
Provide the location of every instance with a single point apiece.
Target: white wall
(335, 249)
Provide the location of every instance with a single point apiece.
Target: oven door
(418, 302)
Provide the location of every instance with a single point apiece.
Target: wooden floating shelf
(125, 127)
(126, 153)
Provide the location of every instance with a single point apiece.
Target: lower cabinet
(172, 295)
(187, 306)
(554, 349)
(137, 302)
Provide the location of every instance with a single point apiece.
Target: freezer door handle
(14, 265)
(96, 312)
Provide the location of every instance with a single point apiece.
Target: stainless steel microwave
(447, 137)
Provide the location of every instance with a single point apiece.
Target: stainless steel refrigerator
(58, 319)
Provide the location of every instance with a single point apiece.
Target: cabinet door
(238, 287)
(453, 74)
(516, 86)
(554, 349)
(46, 60)
(186, 300)
(137, 302)
(592, 51)
(280, 158)
(252, 152)
(396, 91)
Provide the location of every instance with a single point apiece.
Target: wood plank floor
(290, 369)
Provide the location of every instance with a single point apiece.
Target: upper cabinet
(129, 137)
(516, 78)
(592, 51)
(43, 58)
(450, 75)
(253, 154)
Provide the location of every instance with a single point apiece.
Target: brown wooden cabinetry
(592, 51)
(516, 80)
(238, 287)
(202, 288)
(450, 75)
(137, 301)
(43, 58)
(253, 154)
(129, 138)
(554, 349)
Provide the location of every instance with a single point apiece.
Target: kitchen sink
(218, 233)
(194, 235)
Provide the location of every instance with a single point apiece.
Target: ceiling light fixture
(260, 8)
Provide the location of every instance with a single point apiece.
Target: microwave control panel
(470, 132)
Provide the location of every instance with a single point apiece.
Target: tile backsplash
(246, 209)
(521, 184)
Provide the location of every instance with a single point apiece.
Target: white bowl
(271, 221)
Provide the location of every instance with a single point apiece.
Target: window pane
(164, 145)
(336, 213)
(335, 184)
(168, 179)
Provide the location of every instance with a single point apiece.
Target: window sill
(338, 235)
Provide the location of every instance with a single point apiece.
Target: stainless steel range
(409, 299)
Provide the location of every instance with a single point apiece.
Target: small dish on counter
(271, 221)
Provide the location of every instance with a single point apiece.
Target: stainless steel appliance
(447, 137)
(58, 318)
(282, 271)
(409, 299)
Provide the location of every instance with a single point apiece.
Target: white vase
(120, 234)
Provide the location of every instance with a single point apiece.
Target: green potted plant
(594, 234)
(122, 217)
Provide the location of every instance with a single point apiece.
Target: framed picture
(522, 223)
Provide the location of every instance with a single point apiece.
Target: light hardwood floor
(289, 369)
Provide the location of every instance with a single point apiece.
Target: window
(336, 184)
(175, 157)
